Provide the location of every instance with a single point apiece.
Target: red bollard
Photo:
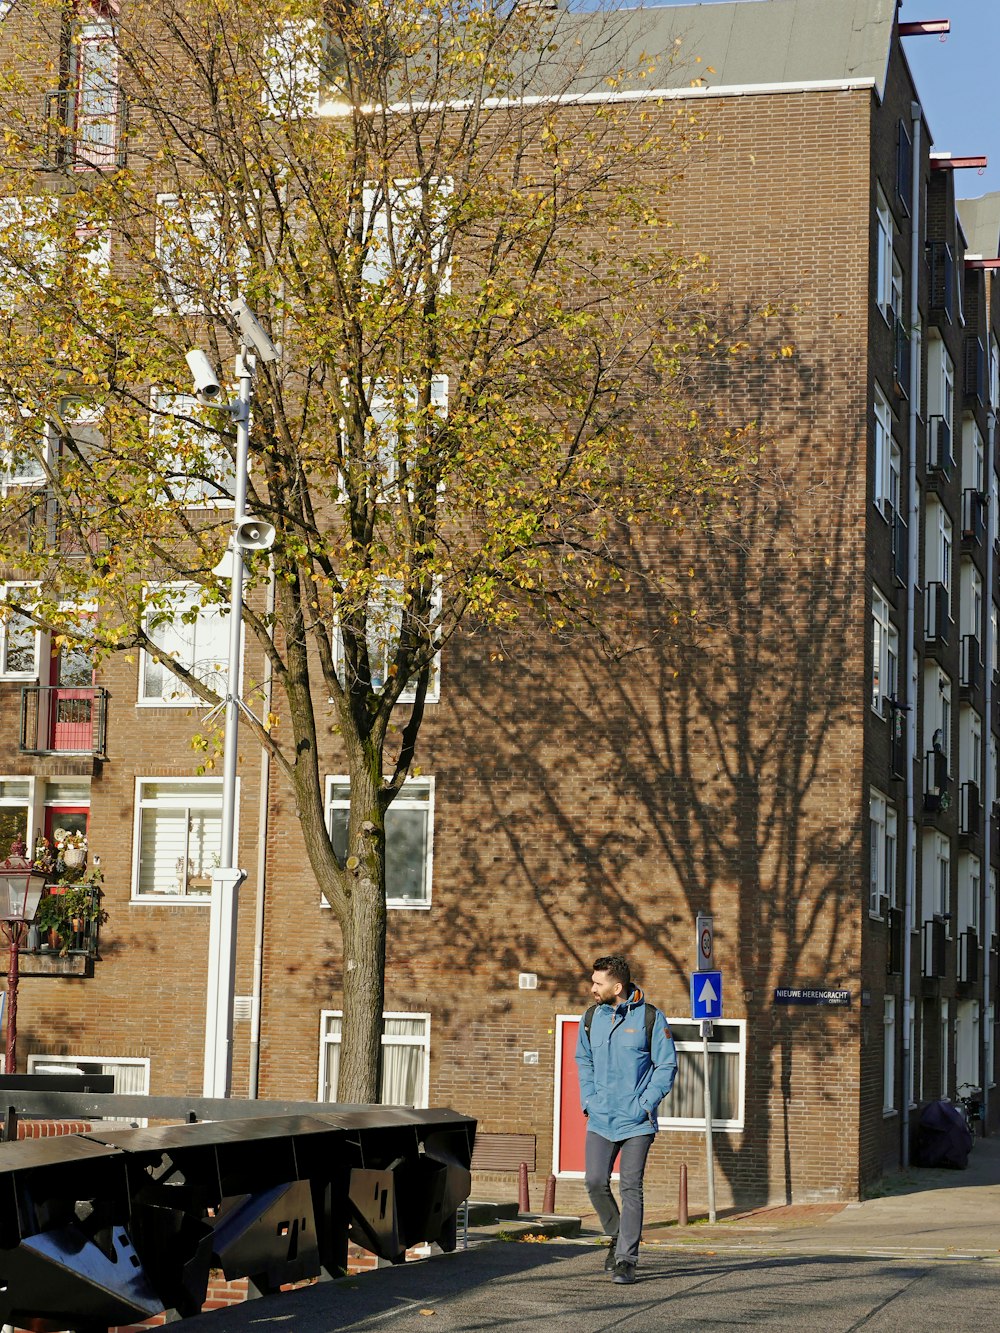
(682, 1197)
(549, 1202)
(523, 1202)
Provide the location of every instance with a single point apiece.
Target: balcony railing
(969, 817)
(899, 551)
(973, 517)
(937, 797)
(941, 273)
(933, 961)
(897, 750)
(968, 957)
(937, 618)
(974, 379)
(57, 719)
(971, 665)
(84, 142)
(939, 456)
(75, 934)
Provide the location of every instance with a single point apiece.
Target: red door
(71, 720)
(572, 1126)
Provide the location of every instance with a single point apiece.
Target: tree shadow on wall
(710, 761)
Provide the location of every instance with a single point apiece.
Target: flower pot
(74, 857)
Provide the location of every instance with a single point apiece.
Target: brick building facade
(817, 769)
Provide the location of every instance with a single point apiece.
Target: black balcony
(968, 957)
(78, 142)
(897, 746)
(939, 456)
(57, 719)
(973, 517)
(933, 960)
(937, 619)
(941, 275)
(969, 810)
(974, 377)
(971, 666)
(937, 794)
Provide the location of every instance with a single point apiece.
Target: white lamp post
(249, 534)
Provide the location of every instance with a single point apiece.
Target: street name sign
(807, 995)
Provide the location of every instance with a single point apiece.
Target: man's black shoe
(609, 1259)
(624, 1272)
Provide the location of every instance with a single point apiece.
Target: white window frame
(936, 875)
(219, 671)
(973, 456)
(971, 601)
(13, 475)
(889, 1056)
(166, 406)
(28, 804)
(377, 210)
(199, 228)
(970, 747)
(35, 672)
(883, 825)
(664, 1120)
(937, 708)
(21, 219)
(967, 1044)
(387, 458)
(944, 1046)
(885, 231)
(422, 1041)
(401, 802)
(211, 784)
(885, 655)
(887, 457)
(970, 885)
(409, 693)
(939, 546)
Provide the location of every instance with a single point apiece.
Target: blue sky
(957, 81)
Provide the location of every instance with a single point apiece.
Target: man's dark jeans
(625, 1224)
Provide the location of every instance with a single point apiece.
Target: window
(904, 167)
(940, 384)
(994, 373)
(937, 711)
(887, 459)
(96, 92)
(196, 467)
(178, 837)
(195, 636)
(939, 544)
(994, 639)
(970, 746)
(885, 655)
(969, 886)
(882, 825)
(15, 812)
(28, 250)
(299, 68)
(387, 414)
(945, 1032)
(409, 838)
(889, 1055)
(936, 875)
(971, 608)
(22, 450)
(967, 1045)
(20, 639)
(131, 1074)
(199, 251)
(684, 1107)
(406, 1049)
(884, 233)
(403, 232)
(385, 620)
(973, 457)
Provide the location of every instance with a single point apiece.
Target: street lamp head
(20, 890)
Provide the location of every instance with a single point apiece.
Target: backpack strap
(588, 1019)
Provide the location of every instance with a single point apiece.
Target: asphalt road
(560, 1287)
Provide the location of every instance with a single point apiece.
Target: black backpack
(651, 1012)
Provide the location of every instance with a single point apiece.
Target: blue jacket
(622, 1080)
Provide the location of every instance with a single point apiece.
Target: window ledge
(889, 1113)
(171, 900)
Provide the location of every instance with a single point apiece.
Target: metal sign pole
(706, 1032)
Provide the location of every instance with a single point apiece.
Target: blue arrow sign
(706, 995)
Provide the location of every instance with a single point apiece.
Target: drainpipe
(910, 891)
(989, 794)
(259, 903)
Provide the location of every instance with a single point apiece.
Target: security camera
(206, 383)
(252, 332)
(253, 534)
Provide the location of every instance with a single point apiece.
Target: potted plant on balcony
(70, 911)
(71, 848)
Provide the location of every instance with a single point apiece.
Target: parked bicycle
(969, 1102)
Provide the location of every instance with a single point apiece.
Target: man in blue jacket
(626, 1066)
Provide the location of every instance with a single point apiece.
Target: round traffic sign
(706, 943)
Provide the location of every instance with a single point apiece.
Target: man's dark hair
(616, 966)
